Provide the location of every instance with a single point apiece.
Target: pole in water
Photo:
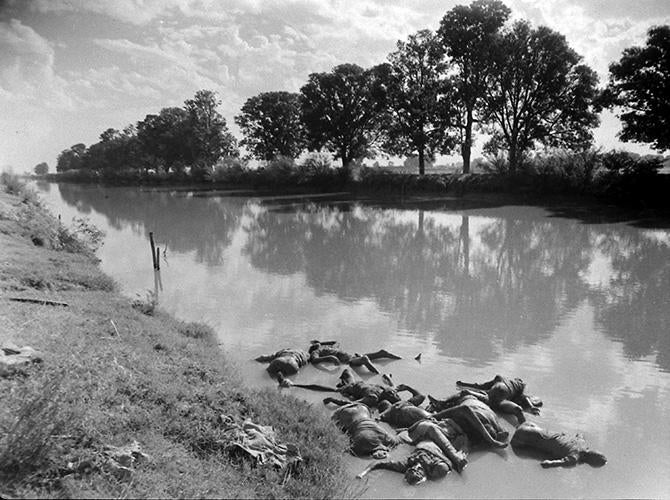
(153, 249)
(158, 259)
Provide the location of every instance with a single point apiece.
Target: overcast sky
(71, 68)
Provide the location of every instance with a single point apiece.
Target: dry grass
(152, 379)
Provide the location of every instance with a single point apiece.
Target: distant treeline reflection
(475, 284)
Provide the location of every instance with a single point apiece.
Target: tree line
(522, 86)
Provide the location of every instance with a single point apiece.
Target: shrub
(195, 330)
(229, 169)
(27, 439)
(147, 304)
(281, 170)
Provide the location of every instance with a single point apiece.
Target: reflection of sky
(585, 378)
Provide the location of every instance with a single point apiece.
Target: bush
(280, 171)
(230, 169)
(195, 330)
(147, 304)
(12, 182)
(27, 437)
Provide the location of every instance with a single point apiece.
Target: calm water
(578, 307)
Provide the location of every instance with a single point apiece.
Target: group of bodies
(443, 432)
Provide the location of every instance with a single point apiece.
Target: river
(575, 302)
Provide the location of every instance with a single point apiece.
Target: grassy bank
(112, 374)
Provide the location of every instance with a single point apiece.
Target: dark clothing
(286, 361)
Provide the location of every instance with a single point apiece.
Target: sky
(70, 69)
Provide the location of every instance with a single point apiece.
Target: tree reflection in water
(183, 222)
(472, 285)
(509, 283)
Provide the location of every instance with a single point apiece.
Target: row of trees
(521, 85)
(194, 136)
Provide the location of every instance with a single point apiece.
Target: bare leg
(364, 361)
(465, 413)
(382, 353)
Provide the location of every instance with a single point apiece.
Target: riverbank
(612, 178)
(114, 373)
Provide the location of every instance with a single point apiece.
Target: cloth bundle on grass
(259, 443)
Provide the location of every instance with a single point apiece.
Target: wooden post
(158, 259)
(153, 249)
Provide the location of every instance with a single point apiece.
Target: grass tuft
(196, 330)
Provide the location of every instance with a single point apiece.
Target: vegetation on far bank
(113, 373)
(613, 177)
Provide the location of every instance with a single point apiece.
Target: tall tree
(341, 112)
(164, 138)
(540, 94)
(272, 125)
(639, 84)
(469, 33)
(209, 135)
(418, 99)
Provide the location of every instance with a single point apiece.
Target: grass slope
(158, 381)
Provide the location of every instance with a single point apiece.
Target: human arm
(473, 385)
(511, 408)
(529, 405)
(323, 359)
(567, 461)
(335, 401)
(416, 399)
(266, 359)
(395, 466)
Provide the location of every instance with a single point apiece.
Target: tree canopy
(418, 99)
(639, 84)
(272, 125)
(41, 168)
(469, 34)
(341, 111)
(540, 94)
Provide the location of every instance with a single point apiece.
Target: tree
(341, 112)
(469, 34)
(272, 125)
(639, 84)
(116, 150)
(418, 99)
(540, 94)
(164, 138)
(71, 159)
(41, 168)
(209, 138)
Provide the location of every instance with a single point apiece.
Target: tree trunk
(466, 147)
(421, 161)
(513, 158)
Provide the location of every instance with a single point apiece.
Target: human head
(594, 458)
(415, 474)
(313, 347)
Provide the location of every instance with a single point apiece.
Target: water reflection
(182, 222)
(471, 284)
